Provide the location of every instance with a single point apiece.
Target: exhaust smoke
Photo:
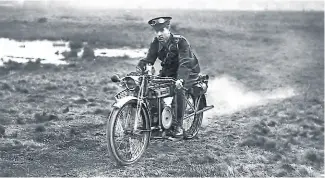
(229, 96)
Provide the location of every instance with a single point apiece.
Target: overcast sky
(196, 4)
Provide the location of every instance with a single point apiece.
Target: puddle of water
(51, 51)
(25, 51)
(229, 96)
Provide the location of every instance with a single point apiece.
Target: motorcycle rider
(177, 61)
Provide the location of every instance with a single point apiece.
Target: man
(177, 60)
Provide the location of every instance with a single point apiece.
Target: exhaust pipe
(200, 111)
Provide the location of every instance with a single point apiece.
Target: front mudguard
(121, 102)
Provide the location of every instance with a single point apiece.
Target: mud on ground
(52, 119)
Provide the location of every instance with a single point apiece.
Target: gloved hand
(138, 70)
(179, 83)
(150, 69)
(141, 67)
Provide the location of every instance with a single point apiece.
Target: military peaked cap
(159, 23)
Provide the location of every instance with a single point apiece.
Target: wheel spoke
(191, 124)
(119, 129)
(187, 123)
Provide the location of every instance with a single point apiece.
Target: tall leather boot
(179, 132)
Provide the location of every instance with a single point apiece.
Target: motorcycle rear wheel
(192, 124)
(128, 149)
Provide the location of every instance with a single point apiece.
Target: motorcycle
(146, 109)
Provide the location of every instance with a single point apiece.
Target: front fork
(138, 113)
(140, 103)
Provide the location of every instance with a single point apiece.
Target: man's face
(163, 34)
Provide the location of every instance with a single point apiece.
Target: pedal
(175, 139)
(155, 128)
(160, 135)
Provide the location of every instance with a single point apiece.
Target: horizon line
(182, 9)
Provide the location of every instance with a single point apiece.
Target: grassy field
(52, 118)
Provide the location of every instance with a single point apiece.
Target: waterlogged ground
(267, 85)
(54, 52)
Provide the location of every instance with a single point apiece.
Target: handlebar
(163, 80)
(157, 79)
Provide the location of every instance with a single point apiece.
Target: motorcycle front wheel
(127, 143)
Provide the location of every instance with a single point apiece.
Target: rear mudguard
(119, 103)
(202, 100)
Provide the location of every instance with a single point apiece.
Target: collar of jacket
(161, 45)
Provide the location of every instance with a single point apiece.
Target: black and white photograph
(162, 88)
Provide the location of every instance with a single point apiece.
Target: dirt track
(54, 117)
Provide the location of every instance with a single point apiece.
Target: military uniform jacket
(176, 56)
